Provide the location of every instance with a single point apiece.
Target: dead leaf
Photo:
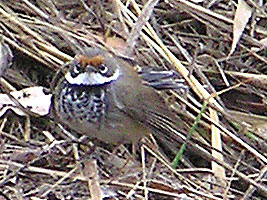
(263, 42)
(5, 57)
(32, 98)
(242, 15)
(116, 43)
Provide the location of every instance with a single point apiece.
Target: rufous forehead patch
(93, 61)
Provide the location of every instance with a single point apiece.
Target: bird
(104, 97)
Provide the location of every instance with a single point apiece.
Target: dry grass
(225, 155)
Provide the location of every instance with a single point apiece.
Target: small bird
(105, 98)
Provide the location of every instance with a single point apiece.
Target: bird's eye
(77, 68)
(103, 69)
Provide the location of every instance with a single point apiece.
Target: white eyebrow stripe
(92, 79)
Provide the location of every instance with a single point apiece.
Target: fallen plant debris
(225, 155)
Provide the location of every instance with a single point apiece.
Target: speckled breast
(80, 103)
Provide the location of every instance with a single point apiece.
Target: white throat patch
(92, 78)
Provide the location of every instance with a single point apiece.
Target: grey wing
(159, 79)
